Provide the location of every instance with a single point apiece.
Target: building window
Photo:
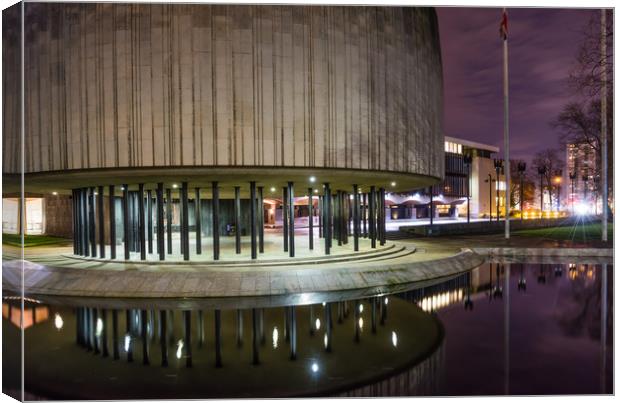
(34, 216)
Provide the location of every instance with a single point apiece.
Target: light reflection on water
(509, 329)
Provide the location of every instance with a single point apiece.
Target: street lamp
(542, 170)
(467, 161)
(490, 181)
(558, 182)
(498, 167)
(572, 176)
(521, 168)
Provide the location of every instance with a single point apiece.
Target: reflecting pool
(498, 329)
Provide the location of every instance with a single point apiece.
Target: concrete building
(150, 124)
(581, 192)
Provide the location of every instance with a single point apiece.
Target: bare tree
(529, 184)
(550, 159)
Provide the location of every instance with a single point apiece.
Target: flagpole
(506, 154)
(604, 124)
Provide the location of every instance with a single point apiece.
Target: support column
(261, 221)
(326, 210)
(218, 338)
(285, 218)
(160, 221)
(216, 220)
(141, 223)
(252, 219)
(91, 222)
(169, 219)
(238, 219)
(372, 231)
(320, 214)
(364, 215)
(149, 220)
(310, 220)
(85, 223)
(382, 215)
(126, 220)
(112, 223)
(101, 222)
(74, 222)
(198, 223)
(185, 221)
(291, 217)
(356, 224)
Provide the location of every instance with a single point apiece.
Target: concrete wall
(58, 216)
(141, 85)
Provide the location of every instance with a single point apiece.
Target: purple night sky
(542, 45)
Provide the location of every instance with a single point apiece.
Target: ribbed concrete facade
(122, 85)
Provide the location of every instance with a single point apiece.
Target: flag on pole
(503, 26)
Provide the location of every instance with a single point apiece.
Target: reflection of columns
(237, 220)
(328, 328)
(603, 359)
(201, 328)
(141, 223)
(149, 220)
(101, 223)
(372, 218)
(311, 316)
(184, 221)
(91, 221)
(261, 325)
(162, 338)
(188, 338)
(112, 216)
(252, 219)
(218, 338)
(327, 236)
(373, 314)
(169, 220)
(291, 216)
(255, 336)
(198, 223)
(115, 351)
(285, 218)
(383, 310)
(293, 331)
(160, 221)
(239, 328)
(144, 337)
(129, 344)
(507, 329)
(356, 320)
(356, 224)
(310, 220)
(87, 331)
(216, 220)
(104, 332)
(93, 329)
(126, 220)
(260, 221)
(340, 309)
(78, 322)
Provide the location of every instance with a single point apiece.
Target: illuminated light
(179, 349)
(360, 323)
(174, 185)
(325, 340)
(58, 322)
(96, 193)
(99, 327)
(394, 339)
(317, 323)
(122, 187)
(323, 303)
(315, 367)
(316, 190)
(581, 209)
(393, 184)
(312, 179)
(274, 337)
(386, 301)
(361, 308)
(55, 193)
(127, 342)
(272, 189)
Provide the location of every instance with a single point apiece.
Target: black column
(285, 218)
(372, 230)
(356, 223)
(431, 209)
(185, 221)
(141, 223)
(326, 212)
(198, 223)
(163, 342)
(216, 220)
(160, 221)
(382, 215)
(291, 216)
(126, 220)
(112, 222)
(149, 220)
(74, 222)
(218, 338)
(255, 337)
(310, 220)
(253, 218)
(364, 215)
(91, 222)
(238, 219)
(188, 337)
(320, 214)
(260, 215)
(336, 209)
(169, 220)
(85, 224)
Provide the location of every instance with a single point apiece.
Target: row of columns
(92, 328)
(339, 214)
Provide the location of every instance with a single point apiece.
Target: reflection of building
(450, 196)
(195, 107)
(582, 159)
(33, 313)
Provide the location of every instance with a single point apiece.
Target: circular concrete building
(149, 99)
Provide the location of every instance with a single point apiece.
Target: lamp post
(558, 182)
(490, 180)
(467, 161)
(498, 166)
(572, 176)
(521, 168)
(542, 170)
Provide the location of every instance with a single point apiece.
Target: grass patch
(33, 240)
(581, 231)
